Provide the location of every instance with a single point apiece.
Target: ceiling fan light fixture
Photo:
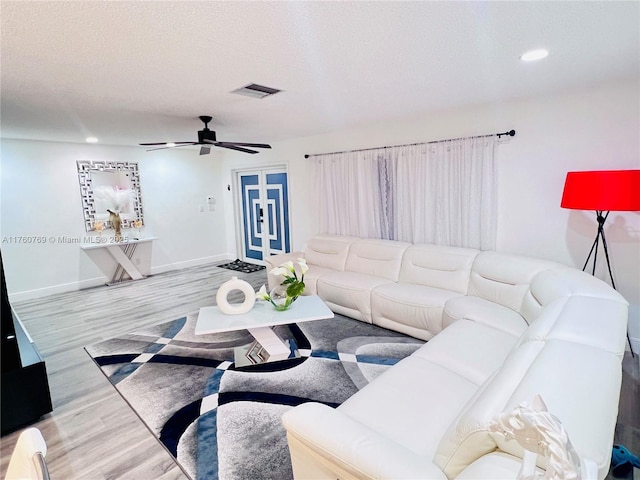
(256, 91)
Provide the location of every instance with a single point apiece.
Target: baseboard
(191, 263)
(56, 289)
(98, 281)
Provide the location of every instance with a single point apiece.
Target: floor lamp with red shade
(603, 191)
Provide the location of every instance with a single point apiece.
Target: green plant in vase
(282, 296)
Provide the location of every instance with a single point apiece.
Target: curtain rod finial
(510, 133)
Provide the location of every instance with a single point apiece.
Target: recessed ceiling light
(171, 144)
(92, 140)
(533, 55)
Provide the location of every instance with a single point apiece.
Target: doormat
(223, 422)
(240, 266)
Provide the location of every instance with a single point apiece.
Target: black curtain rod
(510, 133)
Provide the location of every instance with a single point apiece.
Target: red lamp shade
(603, 190)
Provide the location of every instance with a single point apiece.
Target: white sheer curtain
(446, 193)
(349, 195)
(441, 193)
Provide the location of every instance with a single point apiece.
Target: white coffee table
(268, 347)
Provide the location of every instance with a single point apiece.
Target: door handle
(261, 217)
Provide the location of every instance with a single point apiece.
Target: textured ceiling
(142, 71)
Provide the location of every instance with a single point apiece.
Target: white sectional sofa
(501, 329)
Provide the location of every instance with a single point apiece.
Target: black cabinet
(25, 390)
(9, 346)
(24, 394)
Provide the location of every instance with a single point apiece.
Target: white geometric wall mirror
(99, 182)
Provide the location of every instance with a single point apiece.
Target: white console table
(122, 253)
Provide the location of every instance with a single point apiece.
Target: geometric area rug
(223, 422)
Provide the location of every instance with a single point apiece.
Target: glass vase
(279, 298)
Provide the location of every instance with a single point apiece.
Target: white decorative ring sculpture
(239, 308)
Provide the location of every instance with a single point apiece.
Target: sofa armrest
(325, 443)
(274, 261)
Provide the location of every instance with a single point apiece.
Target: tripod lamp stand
(602, 191)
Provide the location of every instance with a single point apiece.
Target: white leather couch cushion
(349, 293)
(503, 278)
(369, 264)
(469, 349)
(323, 254)
(340, 447)
(597, 322)
(379, 258)
(563, 363)
(429, 276)
(312, 276)
(412, 385)
(328, 251)
(483, 311)
(545, 368)
(438, 266)
(436, 381)
(495, 466)
(468, 437)
(559, 282)
(412, 309)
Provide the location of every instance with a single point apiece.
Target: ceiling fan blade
(182, 144)
(242, 144)
(166, 143)
(233, 147)
(205, 150)
(159, 148)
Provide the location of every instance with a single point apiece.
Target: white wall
(588, 129)
(41, 197)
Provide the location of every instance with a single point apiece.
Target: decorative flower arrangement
(115, 198)
(282, 296)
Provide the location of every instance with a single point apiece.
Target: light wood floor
(92, 433)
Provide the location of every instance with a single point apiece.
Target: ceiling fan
(206, 139)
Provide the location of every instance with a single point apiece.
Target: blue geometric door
(265, 213)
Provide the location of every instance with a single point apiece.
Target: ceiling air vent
(256, 91)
